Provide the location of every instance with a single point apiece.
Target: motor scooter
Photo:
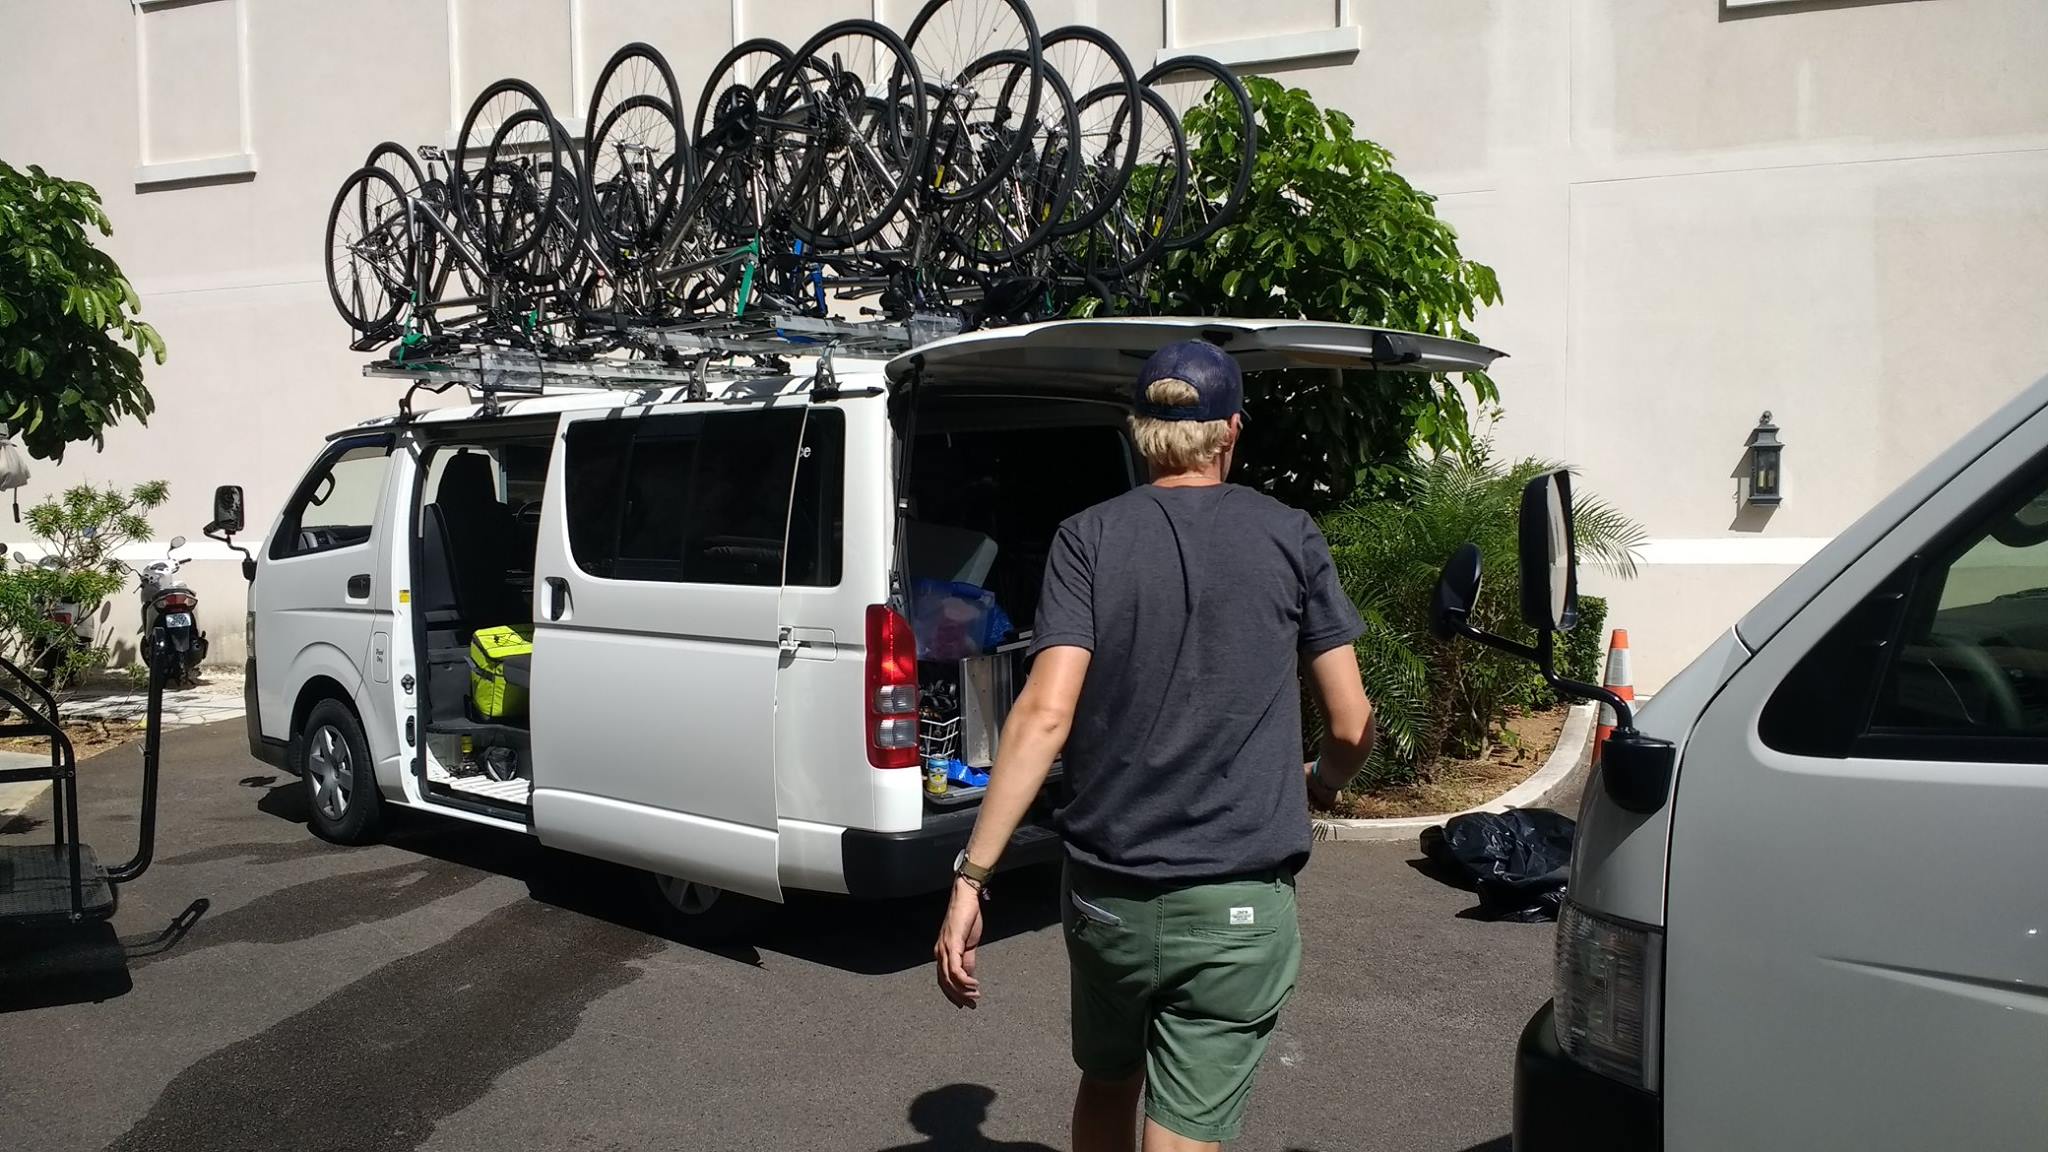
(170, 619)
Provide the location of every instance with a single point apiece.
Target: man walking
(1173, 624)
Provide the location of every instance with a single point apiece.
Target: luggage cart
(65, 881)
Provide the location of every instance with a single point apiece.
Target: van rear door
(1101, 357)
(656, 619)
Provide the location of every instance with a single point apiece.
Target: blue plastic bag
(954, 621)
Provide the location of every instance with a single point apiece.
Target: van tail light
(177, 601)
(891, 689)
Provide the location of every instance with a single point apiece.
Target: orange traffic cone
(1618, 681)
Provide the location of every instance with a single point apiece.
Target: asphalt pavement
(461, 988)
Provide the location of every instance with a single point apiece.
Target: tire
(816, 143)
(335, 768)
(665, 104)
(695, 913)
(476, 195)
(375, 250)
(1110, 137)
(944, 41)
(713, 137)
(1019, 212)
(1205, 209)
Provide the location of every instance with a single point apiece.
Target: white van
(723, 688)
(1809, 896)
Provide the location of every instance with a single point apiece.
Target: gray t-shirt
(1184, 763)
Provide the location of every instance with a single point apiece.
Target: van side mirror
(1547, 554)
(1635, 769)
(1457, 590)
(227, 509)
(227, 520)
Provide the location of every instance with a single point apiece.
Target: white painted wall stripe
(1713, 551)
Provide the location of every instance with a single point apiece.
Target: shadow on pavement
(79, 963)
(950, 1120)
(869, 938)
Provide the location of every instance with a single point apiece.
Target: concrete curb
(1574, 747)
(15, 798)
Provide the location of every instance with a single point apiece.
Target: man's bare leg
(1158, 1139)
(1106, 1115)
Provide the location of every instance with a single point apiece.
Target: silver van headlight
(1610, 986)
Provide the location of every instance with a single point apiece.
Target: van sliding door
(656, 604)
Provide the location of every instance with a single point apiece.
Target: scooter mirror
(177, 542)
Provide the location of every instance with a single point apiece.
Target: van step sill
(519, 791)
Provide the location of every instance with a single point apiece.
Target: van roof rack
(683, 351)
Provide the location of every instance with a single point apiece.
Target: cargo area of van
(989, 481)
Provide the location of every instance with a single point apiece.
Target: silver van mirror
(1548, 554)
(177, 542)
(1635, 770)
(227, 509)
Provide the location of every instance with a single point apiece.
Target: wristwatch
(968, 870)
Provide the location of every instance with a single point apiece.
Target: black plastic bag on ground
(1517, 861)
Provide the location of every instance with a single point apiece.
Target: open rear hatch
(1001, 436)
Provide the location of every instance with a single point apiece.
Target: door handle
(359, 586)
(558, 597)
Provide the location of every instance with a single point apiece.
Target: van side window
(706, 498)
(336, 506)
(1948, 661)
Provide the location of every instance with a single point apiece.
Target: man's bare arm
(1032, 737)
(1334, 682)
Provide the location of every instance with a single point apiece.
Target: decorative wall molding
(152, 172)
(1338, 44)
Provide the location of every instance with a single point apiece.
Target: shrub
(1436, 699)
(81, 531)
(1328, 231)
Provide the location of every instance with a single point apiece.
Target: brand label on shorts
(1240, 915)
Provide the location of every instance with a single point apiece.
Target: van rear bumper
(1559, 1105)
(885, 864)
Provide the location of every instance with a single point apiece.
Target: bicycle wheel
(635, 127)
(974, 129)
(1142, 216)
(1108, 112)
(1215, 113)
(728, 110)
(493, 170)
(369, 250)
(847, 134)
(1019, 211)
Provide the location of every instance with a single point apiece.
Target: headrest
(467, 482)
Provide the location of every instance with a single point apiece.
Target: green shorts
(1184, 984)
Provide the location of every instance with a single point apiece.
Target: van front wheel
(340, 779)
(694, 912)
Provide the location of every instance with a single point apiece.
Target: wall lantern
(1766, 456)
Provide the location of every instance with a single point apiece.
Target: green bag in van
(498, 660)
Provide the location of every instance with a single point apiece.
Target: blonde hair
(1171, 446)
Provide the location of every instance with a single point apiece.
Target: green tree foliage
(1329, 231)
(70, 346)
(81, 531)
(1438, 699)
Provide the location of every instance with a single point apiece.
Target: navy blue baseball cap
(1211, 371)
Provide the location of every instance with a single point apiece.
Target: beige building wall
(1699, 210)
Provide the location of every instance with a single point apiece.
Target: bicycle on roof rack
(969, 173)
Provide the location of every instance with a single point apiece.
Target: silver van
(715, 570)
(1809, 896)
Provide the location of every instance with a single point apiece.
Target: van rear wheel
(695, 912)
(340, 778)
